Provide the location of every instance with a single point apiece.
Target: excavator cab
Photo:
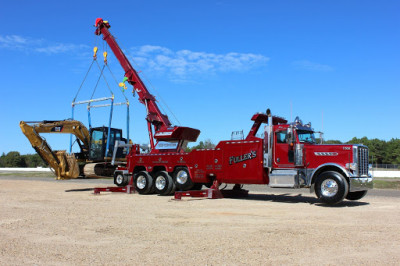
(99, 146)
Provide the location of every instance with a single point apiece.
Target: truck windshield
(306, 136)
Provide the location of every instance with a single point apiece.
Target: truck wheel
(163, 183)
(182, 179)
(356, 195)
(331, 187)
(143, 182)
(120, 179)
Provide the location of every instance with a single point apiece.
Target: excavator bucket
(68, 167)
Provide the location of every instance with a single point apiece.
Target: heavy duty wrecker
(287, 156)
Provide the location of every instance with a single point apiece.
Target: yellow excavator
(102, 149)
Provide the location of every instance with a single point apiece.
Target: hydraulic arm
(91, 161)
(64, 165)
(157, 121)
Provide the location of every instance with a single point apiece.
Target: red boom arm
(163, 129)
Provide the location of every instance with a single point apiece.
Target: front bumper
(361, 183)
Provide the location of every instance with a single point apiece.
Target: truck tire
(182, 179)
(331, 187)
(120, 179)
(356, 195)
(143, 182)
(163, 183)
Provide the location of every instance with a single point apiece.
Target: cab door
(283, 150)
(96, 144)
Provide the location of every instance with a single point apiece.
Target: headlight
(351, 166)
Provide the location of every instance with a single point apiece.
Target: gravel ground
(40, 223)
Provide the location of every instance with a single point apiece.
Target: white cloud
(60, 48)
(16, 42)
(12, 40)
(146, 49)
(313, 66)
(178, 65)
(182, 63)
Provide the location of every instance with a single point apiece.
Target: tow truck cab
(296, 160)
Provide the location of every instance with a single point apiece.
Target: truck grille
(362, 156)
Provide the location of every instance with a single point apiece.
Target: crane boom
(163, 129)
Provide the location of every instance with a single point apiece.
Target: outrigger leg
(127, 189)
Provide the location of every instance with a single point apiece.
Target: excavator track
(97, 170)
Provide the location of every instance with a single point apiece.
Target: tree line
(15, 159)
(380, 152)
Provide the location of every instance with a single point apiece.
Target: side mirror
(290, 136)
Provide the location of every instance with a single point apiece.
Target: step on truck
(286, 156)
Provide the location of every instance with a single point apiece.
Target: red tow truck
(286, 156)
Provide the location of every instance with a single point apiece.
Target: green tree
(34, 160)
(13, 159)
(332, 142)
(393, 151)
(207, 144)
(1, 160)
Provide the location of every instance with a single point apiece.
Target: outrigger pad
(127, 189)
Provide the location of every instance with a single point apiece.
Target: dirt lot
(40, 223)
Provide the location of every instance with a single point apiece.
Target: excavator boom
(65, 165)
(91, 161)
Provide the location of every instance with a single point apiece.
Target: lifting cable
(112, 93)
(116, 82)
(89, 102)
(84, 79)
(101, 75)
(156, 91)
(158, 94)
(127, 103)
(91, 99)
(111, 104)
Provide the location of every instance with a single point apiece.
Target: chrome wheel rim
(182, 177)
(119, 179)
(160, 182)
(329, 188)
(141, 182)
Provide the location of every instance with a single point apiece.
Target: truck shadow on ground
(290, 198)
(79, 189)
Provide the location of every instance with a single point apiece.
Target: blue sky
(214, 63)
